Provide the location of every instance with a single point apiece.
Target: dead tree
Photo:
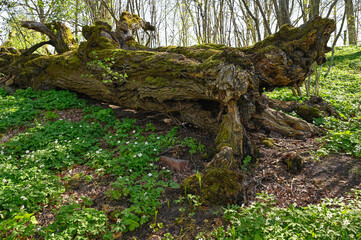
(215, 87)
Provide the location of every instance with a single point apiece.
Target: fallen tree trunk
(215, 87)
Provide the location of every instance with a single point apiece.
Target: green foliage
(24, 105)
(104, 69)
(331, 219)
(25, 187)
(342, 89)
(49, 145)
(55, 144)
(18, 225)
(343, 136)
(73, 221)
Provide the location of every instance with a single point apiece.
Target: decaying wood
(215, 87)
(59, 34)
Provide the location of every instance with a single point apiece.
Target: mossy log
(215, 87)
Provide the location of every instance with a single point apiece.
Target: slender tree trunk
(284, 13)
(314, 8)
(352, 37)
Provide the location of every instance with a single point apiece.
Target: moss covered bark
(215, 87)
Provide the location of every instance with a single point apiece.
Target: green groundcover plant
(30, 163)
(331, 219)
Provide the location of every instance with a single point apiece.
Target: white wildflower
(77, 138)
(23, 198)
(329, 215)
(140, 154)
(42, 165)
(22, 207)
(4, 180)
(27, 151)
(136, 143)
(149, 174)
(118, 141)
(56, 141)
(151, 164)
(158, 137)
(133, 131)
(346, 222)
(146, 143)
(155, 150)
(127, 142)
(277, 219)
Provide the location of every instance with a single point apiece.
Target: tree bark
(195, 84)
(314, 8)
(352, 37)
(59, 34)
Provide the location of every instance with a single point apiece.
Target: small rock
(11, 81)
(154, 237)
(176, 164)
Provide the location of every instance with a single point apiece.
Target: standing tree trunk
(314, 8)
(215, 87)
(282, 12)
(352, 37)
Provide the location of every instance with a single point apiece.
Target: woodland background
(183, 22)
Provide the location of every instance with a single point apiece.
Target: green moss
(290, 35)
(308, 113)
(75, 180)
(129, 19)
(219, 186)
(157, 82)
(225, 134)
(199, 52)
(268, 142)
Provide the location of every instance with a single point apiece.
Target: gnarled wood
(215, 87)
(58, 33)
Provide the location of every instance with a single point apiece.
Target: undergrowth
(342, 89)
(32, 161)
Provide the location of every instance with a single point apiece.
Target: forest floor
(332, 176)
(71, 167)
